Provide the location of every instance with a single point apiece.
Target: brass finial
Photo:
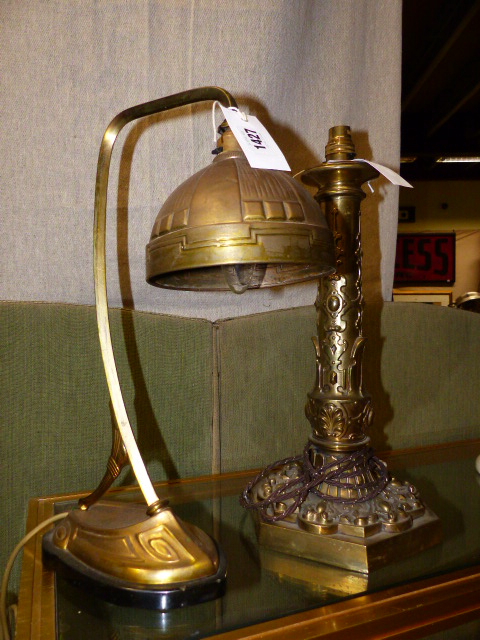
(340, 145)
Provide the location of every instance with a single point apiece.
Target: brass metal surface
(353, 550)
(313, 576)
(338, 408)
(229, 216)
(202, 554)
(338, 504)
(359, 535)
(117, 458)
(469, 301)
(120, 540)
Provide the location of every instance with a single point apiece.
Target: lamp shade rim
(232, 214)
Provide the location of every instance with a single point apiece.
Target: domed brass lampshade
(257, 227)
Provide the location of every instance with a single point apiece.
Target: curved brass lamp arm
(101, 188)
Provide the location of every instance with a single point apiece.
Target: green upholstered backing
(223, 396)
(427, 390)
(55, 415)
(421, 365)
(267, 366)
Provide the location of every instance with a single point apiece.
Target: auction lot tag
(257, 144)
(389, 174)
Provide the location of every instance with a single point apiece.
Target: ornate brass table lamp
(336, 503)
(228, 227)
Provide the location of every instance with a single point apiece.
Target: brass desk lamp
(228, 227)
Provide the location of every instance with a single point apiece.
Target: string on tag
(215, 133)
(242, 114)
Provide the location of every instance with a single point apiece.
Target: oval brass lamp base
(124, 556)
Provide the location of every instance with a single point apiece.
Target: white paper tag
(389, 174)
(257, 144)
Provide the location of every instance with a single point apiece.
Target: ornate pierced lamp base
(361, 535)
(350, 552)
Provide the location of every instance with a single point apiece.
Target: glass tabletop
(263, 584)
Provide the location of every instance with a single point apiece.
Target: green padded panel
(421, 366)
(430, 375)
(56, 421)
(267, 366)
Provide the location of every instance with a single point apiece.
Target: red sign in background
(425, 258)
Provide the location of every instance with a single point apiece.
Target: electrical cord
(5, 631)
(298, 487)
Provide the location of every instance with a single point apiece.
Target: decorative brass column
(336, 503)
(338, 407)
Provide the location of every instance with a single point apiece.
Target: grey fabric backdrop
(67, 67)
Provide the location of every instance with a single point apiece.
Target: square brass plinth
(357, 554)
